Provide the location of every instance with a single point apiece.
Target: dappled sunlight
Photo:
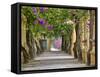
(55, 49)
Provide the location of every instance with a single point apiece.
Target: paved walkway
(52, 60)
(54, 55)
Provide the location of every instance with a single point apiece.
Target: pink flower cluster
(57, 43)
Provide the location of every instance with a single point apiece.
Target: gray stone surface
(52, 60)
(53, 55)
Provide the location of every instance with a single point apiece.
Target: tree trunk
(29, 41)
(24, 48)
(38, 46)
(63, 43)
(91, 36)
(72, 41)
(86, 39)
(77, 47)
(25, 54)
(70, 44)
(76, 43)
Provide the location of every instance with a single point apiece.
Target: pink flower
(57, 43)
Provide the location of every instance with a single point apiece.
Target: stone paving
(52, 60)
